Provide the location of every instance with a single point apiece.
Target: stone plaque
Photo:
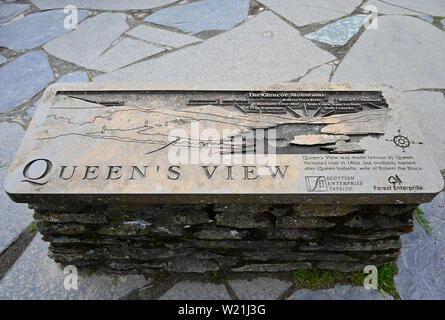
(177, 143)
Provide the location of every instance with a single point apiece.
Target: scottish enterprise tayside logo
(316, 183)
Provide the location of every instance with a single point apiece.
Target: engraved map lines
(119, 122)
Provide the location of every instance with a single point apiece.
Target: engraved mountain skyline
(159, 128)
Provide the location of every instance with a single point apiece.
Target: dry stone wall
(237, 238)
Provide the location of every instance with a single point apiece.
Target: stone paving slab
(162, 37)
(259, 288)
(263, 49)
(339, 32)
(318, 74)
(339, 293)
(91, 39)
(14, 217)
(123, 53)
(35, 29)
(429, 108)
(432, 7)
(102, 4)
(25, 76)
(422, 259)
(386, 8)
(191, 290)
(202, 15)
(304, 12)
(78, 76)
(10, 11)
(35, 276)
(397, 53)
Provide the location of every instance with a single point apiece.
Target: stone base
(238, 238)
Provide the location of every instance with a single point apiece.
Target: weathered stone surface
(377, 222)
(14, 217)
(310, 210)
(422, 257)
(123, 53)
(392, 211)
(151, 240)
(264, 40)
(292, 234)
(188, 290)
(339, 32)
(239, 244)
(140, 227)
(385, 49)
(162, 37)
(92, 37)
(303, 222)
(35, 29)
(25, 76)
(306, 294)
(10, 11)
(218, 234)
(432, 7)
(292, 255)
(359, 293)
(71, 217)
(102, 4)
(125, 253)
(35, 276)
(273, 267)
(385, 8)
(259, 288)
(431, 115)
(193, 217)
(375, 235)
(339, 293)
(318, 74)
(340, 266)
(304, 12)
(62, 229)
(202, 15)
(78, 76)
(144, 268)
(337, 245)
(244, 220)
(191, 264)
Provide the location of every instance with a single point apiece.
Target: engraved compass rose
(402, 141)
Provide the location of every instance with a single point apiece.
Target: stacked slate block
(235, 238)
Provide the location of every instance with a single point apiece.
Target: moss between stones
(316, 280)
(319, 280)
(90, 272)
(386, 280)
(32, 228)
(420, 217)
